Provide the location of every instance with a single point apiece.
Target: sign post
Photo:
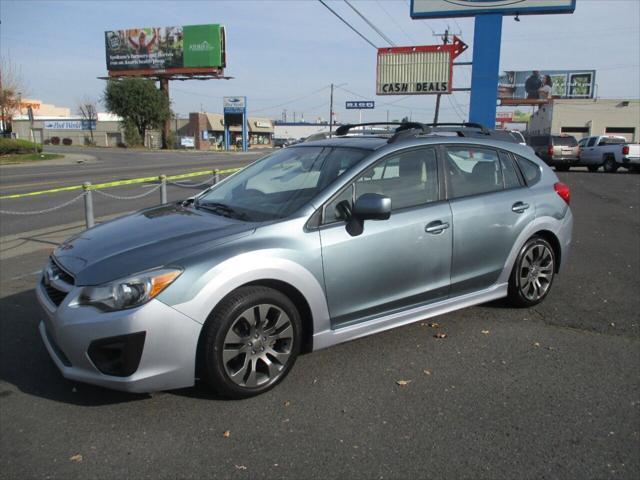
(360, 105)
(235, 113)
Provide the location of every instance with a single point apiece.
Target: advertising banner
(546, 84)
(468, 8)
(187, 48)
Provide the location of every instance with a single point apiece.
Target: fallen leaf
(240, 467)
(403, 383)
(485, 332)
(427, 372)
(76, 458)
(226, 434)
(434, 325)
(536, 344)
(440, 335)
(287, 403)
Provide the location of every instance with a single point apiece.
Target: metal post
(216, 177)
(437, 112)
(88, 204)
(331, 111)
(163, 189)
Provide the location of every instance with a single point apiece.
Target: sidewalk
(42, 239)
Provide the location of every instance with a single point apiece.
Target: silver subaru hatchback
(311, 246)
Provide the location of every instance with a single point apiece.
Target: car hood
(155, 237)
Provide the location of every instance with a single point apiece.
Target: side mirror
(372, 206)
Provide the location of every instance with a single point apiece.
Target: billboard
(187, 49)
(418, 70)
(546, 84)
(469, 8)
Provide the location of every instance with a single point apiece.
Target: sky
(285, 54)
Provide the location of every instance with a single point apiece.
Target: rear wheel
(532, 274)
(563, 168)
(250, 342)
(610, 165)
(593, 168)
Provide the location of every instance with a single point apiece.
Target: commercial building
(297, 130)
(207, 130)
(583, 118)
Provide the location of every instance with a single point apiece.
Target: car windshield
(279, 184)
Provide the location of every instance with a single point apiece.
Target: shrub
(15, 145)
(47, 141)
(88, 141)
(131, 135)
(67, 141)
(171, 141)
(55, 140)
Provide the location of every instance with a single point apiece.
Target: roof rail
(479, 126)
(344, 129)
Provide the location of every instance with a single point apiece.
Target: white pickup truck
(610, 152)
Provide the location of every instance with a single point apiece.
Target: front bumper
(168, 353)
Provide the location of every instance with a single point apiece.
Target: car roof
(366, 142)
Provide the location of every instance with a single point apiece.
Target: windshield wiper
(222, 209)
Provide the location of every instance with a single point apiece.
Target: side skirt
(329, 338)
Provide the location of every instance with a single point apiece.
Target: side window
(511, 179)
(409, 178)
(582, 142)
(473, 170)
(592, 141)
(529, 169)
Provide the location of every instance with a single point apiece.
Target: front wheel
(250, 342)
(532, 274)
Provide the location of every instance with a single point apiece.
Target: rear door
(393, 264)
(490, 207)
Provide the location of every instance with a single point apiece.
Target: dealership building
(207, 130)
(584, 118)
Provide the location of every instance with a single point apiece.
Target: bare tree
(11, 91)
(89, 113)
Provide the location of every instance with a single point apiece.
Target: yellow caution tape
(120, 183)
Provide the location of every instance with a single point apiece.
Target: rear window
(565, 141)
(530, 170)
(612, 141)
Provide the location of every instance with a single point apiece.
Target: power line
(315, 92)
(348, 24)
(368, 22)
(396, 23)
(422, 22)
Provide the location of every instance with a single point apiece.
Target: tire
(593, 168)
(523, 289)
(260, 351)
(610, 165)
(563, 168)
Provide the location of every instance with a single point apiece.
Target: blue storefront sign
(69, 125)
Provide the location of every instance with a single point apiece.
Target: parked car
(559, 151)
(281, 142)
(610, 152)
(311, 246)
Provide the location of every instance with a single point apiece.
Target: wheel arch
(553, 240)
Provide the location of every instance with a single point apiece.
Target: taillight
(550, 150)
(625, 150)
(563, 191)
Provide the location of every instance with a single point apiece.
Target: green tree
(138, 102)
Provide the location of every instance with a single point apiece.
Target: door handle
(436, 227)
(519, 207)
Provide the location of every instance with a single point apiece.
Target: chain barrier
(121, 197)
(46, 210)
(187, 185)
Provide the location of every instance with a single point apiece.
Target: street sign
(234, 104)
(470, 8)
(419, 70)
(357, 105)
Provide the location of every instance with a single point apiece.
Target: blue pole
(226, 137)
(486, 69)
(245, 125)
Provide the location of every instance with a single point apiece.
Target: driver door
(394, 264)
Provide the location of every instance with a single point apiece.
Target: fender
(252, 267)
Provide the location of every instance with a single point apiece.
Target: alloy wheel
(536, 272)
(258, 345)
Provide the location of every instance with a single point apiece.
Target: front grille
(60, 273)
(56, 296)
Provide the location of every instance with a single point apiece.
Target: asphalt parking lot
(549, 392)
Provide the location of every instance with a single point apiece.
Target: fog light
(118, 356)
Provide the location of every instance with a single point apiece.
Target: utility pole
(445, 40)
(331, 111)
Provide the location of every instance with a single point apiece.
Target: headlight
(128, 292)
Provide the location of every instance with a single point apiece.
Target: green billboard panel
(167, 49)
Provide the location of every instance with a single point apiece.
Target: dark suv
(559, 151)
